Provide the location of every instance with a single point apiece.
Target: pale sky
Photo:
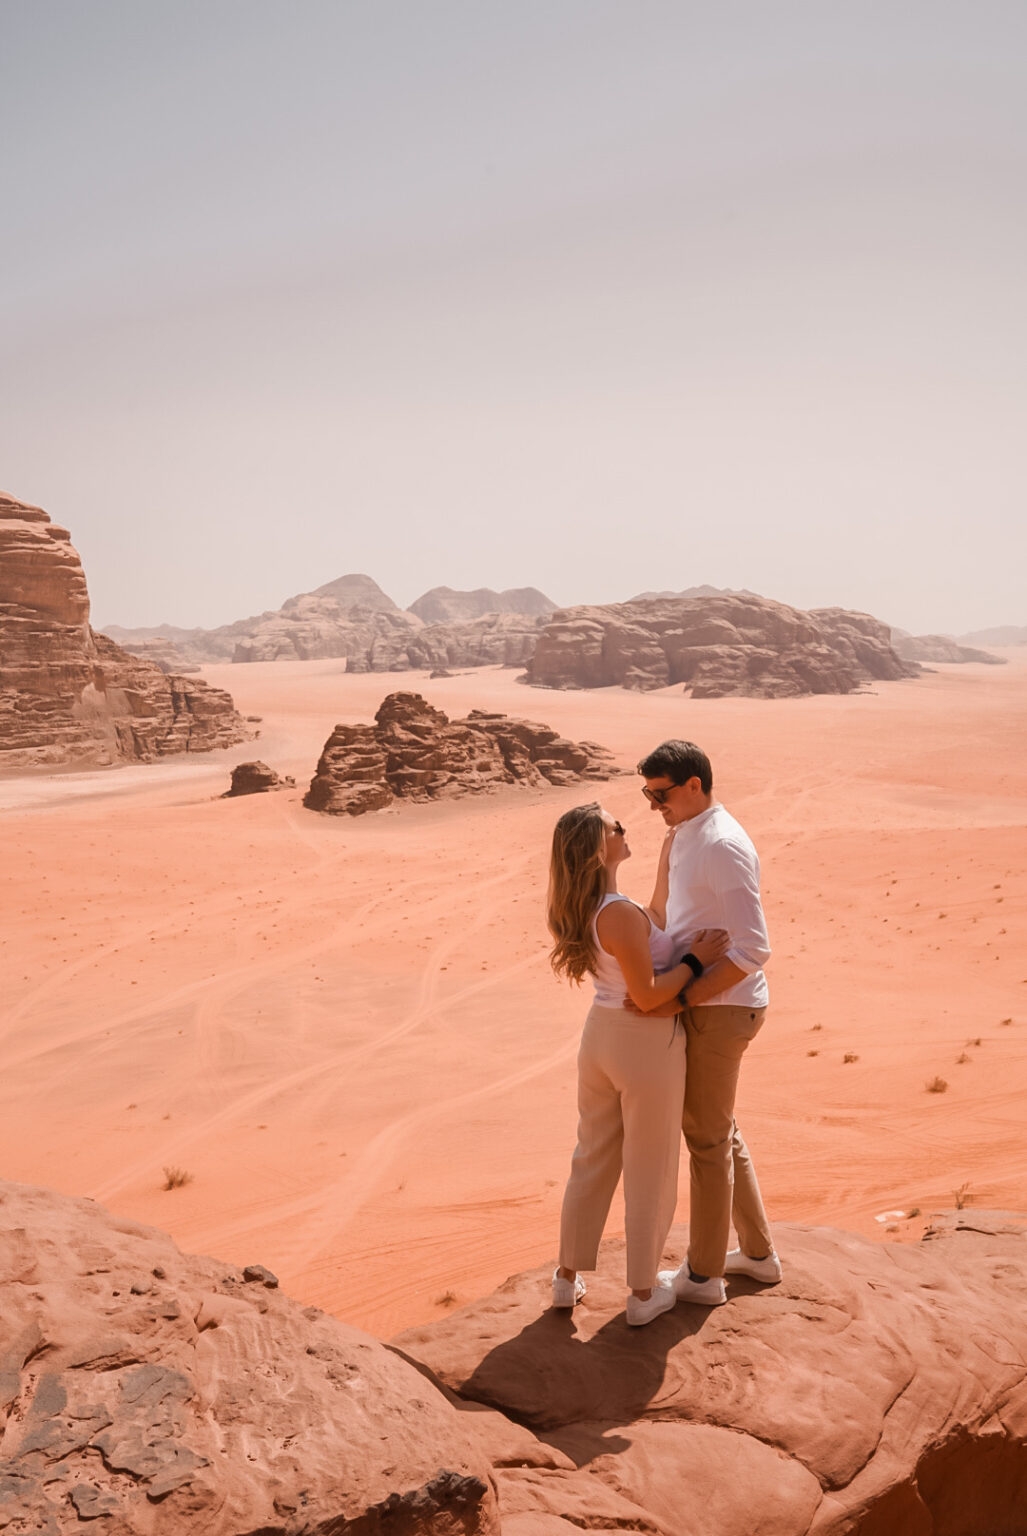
(587, 296)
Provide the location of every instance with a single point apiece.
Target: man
(711, 879)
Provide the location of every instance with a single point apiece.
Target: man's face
(674, 802)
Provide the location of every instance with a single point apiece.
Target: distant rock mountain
(1002, 634)
(352, 619)
(701, 591)
(346, 594)
(442, 605)
(70, 695)
(939, 648)
(716, 646)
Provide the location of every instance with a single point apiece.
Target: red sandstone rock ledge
(878, 1391)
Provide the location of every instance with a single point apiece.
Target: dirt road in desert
(346, 1031)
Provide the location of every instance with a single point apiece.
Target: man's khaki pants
(723, 1180)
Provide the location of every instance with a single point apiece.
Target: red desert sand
(346, 1033)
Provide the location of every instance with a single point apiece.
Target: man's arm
(657, 908)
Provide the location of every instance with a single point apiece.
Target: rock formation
(416, 752)
(496, 639)
(444, 606)
(716, 646)
(880, 1390)
(256, 779)
(69, 695)
(931, 648)
(144, 1391)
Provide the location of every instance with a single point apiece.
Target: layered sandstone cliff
(716, 646)
(69, 695)
(415, 752)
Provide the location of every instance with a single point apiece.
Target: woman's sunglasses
(617, 828)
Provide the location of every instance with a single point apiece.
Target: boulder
(716, 645)
(144, 1391)
(256, 779)
(879, 1390)
(69, 695)
(416, 752)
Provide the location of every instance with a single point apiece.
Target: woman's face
(615, 840)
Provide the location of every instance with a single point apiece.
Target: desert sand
(346, 1031)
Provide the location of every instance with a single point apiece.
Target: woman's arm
(708, 947)
(624, 933)
(658, 903)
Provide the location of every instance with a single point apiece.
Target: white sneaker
(704, 1293)
(767, 1271)
(641, 1312)
(567, 1293)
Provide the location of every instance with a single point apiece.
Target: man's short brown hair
(678, 761)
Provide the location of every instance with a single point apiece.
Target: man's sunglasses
(657, 796)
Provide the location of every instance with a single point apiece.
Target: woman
(631, 1070)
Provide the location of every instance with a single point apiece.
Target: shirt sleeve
(733, 873)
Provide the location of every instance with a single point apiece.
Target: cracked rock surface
(880, 1389)
(144, 1393)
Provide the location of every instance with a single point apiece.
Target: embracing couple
(679, 994)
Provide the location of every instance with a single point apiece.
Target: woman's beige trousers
(631, 1087)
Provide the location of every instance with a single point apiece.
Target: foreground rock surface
(416, 752)
(879, 1390)
(143, 1392)
(730, 644)
(69, 695)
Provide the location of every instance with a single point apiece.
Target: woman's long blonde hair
(577, 883)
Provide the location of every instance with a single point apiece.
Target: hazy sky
(587, 296)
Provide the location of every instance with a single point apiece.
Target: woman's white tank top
(610, 986)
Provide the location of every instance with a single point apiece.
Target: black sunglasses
(617, 828)
(657, 796)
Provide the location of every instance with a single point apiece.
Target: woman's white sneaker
(767, 1271)
(641, 1312)
(567, 1293)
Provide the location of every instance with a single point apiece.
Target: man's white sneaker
(567, 1293)
(641, 1312)
(704, 1293)
(767, 1271)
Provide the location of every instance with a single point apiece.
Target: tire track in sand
(346, 1058)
